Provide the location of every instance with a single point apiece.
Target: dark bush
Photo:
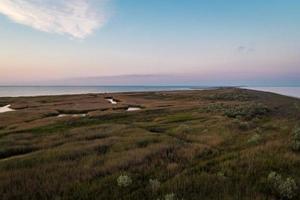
(247, 111)
(283, 188)
(232, 96)
(296, 140)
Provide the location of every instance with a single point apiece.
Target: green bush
(231, 96)
(244, 126)
(155, 184)
(296, 140)
(255, 139)
(146, 142)
(170, 196)
(183, 129)
(214, 108)
(288, 188)
(284, 188)
(124, 181)
(247, 111)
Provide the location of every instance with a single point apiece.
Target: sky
(205, 41)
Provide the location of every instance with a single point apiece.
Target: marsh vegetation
(218, 144)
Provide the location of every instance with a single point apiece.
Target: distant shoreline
(35, 91)
(30, 91)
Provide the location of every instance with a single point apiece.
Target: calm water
(288, 91)
(15, 91)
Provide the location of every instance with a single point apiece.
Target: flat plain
(224, 143)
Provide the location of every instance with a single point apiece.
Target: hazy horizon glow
(225, 41)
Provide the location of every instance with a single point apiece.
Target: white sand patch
(130, 109)
(5, 109)
(112, 101)
(72, 115)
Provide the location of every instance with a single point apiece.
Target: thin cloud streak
(245, 49)
(76, 18)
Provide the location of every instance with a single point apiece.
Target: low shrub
(155, 184)
(146, 142)
(283, 188)
(214, 108)
(183, 129)
(244, 126)
(288, 188)
(221, 175)
(247, 111)
(124, 181)
(258, 130)
(170, 196)
(231, 96)
(255, 139)
(296, 140)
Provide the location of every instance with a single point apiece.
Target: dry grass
(183, 139)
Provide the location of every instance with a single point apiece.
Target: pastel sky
(230, 40)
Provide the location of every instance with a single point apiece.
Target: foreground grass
(220, 144)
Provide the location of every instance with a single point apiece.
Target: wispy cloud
(76, 18)
(245, 49)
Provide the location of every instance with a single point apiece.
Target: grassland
(216, 144)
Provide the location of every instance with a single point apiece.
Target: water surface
(287, 91)
(6, 109)
(15, 91)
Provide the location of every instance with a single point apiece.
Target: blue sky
(229, 41)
